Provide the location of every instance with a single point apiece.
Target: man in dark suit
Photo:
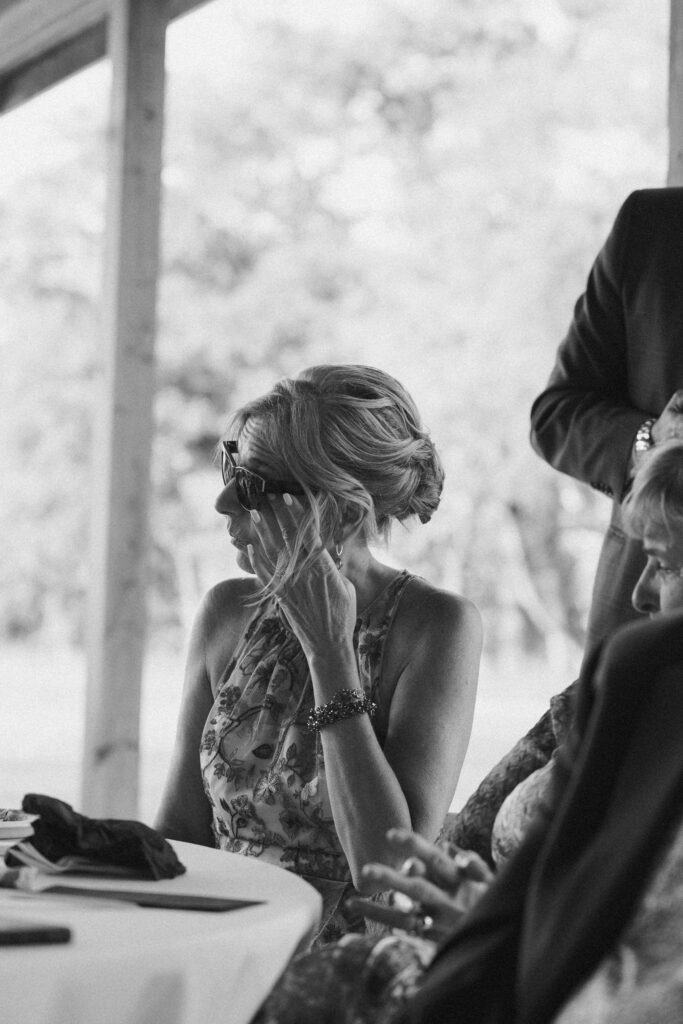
(617, 384)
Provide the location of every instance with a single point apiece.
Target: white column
(123, 412)
(675, 174)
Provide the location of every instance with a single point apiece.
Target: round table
(127, 964)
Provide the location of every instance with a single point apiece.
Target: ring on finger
(423, 923)
(403, 903)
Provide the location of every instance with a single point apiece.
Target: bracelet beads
(344, 704)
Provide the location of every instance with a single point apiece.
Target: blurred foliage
(422, 189)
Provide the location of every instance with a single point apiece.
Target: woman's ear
(350, 526)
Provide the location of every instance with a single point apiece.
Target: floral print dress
(363, 979)
(263, 771)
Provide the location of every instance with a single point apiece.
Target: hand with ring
(415, 920)
(319, 602)
(430, 890)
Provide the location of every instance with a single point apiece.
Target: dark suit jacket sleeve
(583, 423)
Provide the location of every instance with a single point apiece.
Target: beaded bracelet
(343, 704)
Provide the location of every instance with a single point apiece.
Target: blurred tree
(422, 189)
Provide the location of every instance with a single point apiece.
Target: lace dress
(477, 826)
(263, 771)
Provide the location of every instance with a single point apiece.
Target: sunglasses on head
(250, 488)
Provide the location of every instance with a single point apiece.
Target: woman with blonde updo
(328, 697)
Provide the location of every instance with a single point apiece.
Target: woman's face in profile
(253, 454)
(660, 587)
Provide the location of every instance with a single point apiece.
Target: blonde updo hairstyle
(655, 500)
(352, 438)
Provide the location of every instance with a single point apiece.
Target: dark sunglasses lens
(226, 468)
(249, 488)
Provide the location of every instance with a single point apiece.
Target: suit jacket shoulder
(650, 235)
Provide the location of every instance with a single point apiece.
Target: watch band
(644, 440)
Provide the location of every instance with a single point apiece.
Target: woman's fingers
(413, 919)
(416, 896)
(268, 532)
(433, 919)
(283, 519)
(438, 866)
(278, 522)
(473, 866)
(447, 871)
(275, 536)
(261, 565)
(427, 882)
(410, 844)
(469, 893)
(394, 917)
(413, 866)
(418, 888)
(320, 602)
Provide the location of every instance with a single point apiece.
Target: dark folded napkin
(62, 832)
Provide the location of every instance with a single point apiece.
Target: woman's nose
(226, 503)
(645, 597)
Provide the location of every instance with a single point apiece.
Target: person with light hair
(653, 513)
(329, 697)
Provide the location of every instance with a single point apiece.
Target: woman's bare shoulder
(230, 597)
(221, 620)
(433, 630)
(427, 609)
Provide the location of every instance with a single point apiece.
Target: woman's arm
(184, 812)
(431, 663)
(434, 649)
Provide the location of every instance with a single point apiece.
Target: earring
(339, 551)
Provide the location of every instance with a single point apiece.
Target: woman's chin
(244, 562)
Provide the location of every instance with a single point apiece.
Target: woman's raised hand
(320, 603)
(435, 889)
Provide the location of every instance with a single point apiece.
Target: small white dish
(16, 824)
(16, 833)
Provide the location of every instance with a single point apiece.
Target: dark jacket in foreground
(562, 902)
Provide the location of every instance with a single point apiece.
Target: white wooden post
(123, 414)
(675, 173)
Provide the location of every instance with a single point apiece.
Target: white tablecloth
(130, 965)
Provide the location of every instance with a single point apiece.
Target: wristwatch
(644, 439)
